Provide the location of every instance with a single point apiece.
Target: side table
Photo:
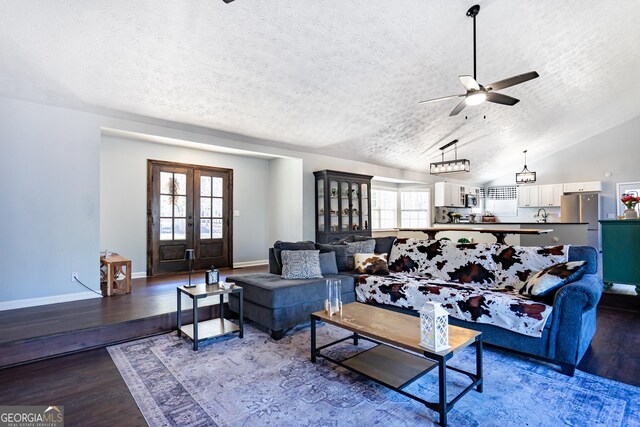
(199, 331)
(115, 275)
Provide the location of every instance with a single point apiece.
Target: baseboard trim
(139, 275)
(250, 263)
(33, 302)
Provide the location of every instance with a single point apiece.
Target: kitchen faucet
(543, 216)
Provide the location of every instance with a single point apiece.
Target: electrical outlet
(75, 276)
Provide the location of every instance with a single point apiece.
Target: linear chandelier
(525, 176)
(450, 166)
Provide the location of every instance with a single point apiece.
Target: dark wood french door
(188, 207)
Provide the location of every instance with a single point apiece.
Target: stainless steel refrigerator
(583, 208)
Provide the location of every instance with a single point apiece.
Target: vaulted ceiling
(337, 77)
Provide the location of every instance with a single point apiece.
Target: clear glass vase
(333, 303)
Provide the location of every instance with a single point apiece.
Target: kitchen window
(384, 207)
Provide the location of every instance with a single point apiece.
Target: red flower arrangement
(630, 201)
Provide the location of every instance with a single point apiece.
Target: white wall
(49, 204)
(123, 197)
(616, 150)
(285, 196)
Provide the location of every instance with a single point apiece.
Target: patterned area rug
(256, 381)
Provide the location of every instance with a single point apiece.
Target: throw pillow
(551, 278)
(371, 264)
(328, 264)
(364, 247)
(280, 246)
(341, 254)
(302, 264)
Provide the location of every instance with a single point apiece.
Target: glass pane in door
(211, 207)
(173, 206)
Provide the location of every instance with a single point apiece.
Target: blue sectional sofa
(278, 304)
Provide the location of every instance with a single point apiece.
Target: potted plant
(630, 201)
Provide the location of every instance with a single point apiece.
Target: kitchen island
(500, 233)
(563, 233)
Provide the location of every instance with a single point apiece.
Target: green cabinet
(621, 252)
(343, 205)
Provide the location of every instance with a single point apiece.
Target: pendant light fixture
(525, 176)
(450, 166)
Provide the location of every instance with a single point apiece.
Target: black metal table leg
(179, 312)
(479, 363)
(195, 323)
(222, 306)
(241, 313)
(355, 338)
(313, 339)
(442, 382)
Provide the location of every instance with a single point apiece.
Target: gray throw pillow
(301, 264)
(363, 247)
(280, 246)
(341, 254)
(328, 264)
(383, 244)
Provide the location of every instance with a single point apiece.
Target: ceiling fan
(476, 93)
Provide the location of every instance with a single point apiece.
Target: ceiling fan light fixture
(450, 166)
(525, 176)
(476, 98)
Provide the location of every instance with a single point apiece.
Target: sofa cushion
(441, 259)
(371, 264)
(383, 244)
(301, 264)
(362, 247)
(552, 278)
(328, 264)
(279, 246)
(270, 290)
(341, 254)
(515, 264)
(499, 307)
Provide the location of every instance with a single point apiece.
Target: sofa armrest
(584, 293)
(574, 320)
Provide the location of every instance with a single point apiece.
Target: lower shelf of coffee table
(390, 366)
(211, 328)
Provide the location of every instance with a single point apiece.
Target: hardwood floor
(92, 391)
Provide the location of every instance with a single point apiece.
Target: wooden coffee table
(396, 367)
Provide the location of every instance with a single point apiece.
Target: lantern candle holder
(333, 303)
(434, 327)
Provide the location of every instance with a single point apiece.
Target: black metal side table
(199, 331)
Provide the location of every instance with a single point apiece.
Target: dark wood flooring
(92, 391)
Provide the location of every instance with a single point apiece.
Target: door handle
(190, 224)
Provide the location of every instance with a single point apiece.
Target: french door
(188, 207)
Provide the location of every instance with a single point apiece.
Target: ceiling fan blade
(499, 98)
(469, 83)
(439, 99)
(512, 81)
(458, 108)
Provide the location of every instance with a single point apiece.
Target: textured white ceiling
(337, 77)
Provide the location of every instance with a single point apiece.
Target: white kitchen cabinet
(549, 195)
(579, 187)
(449, 195)
(528, 196)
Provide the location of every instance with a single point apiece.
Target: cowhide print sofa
(479, 285)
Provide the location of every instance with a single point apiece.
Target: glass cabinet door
(333, 206)
(355, 206)
(320, 213)
(345, 192)
(364, 206)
